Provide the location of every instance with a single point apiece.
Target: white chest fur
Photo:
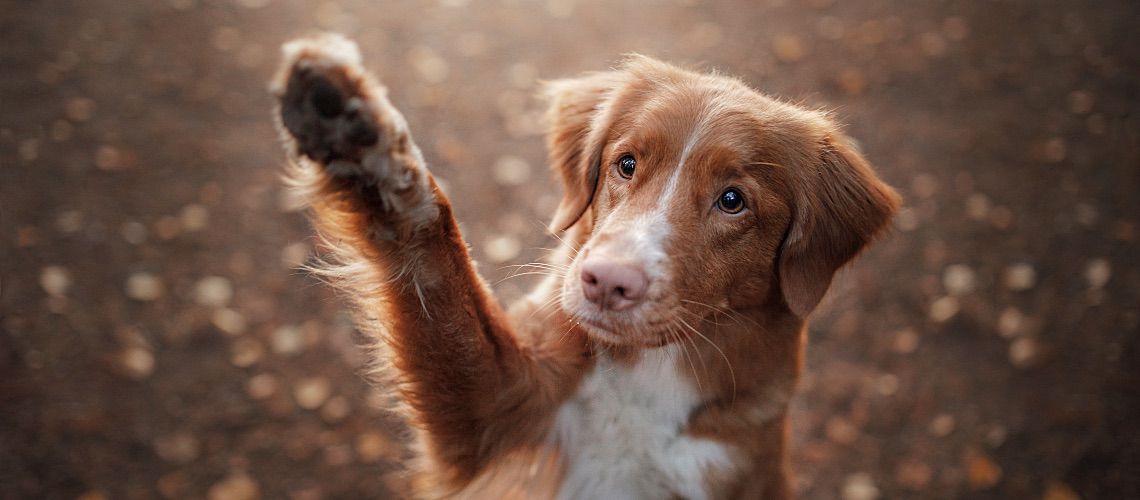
(622, 434)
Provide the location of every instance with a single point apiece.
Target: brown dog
(702, 223)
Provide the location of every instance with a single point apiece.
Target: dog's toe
(324, 98)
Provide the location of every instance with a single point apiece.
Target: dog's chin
(631, 336)
(618, 329)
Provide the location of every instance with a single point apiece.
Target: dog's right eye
(626, 165)
(730, 201)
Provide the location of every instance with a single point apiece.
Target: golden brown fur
(481, 387)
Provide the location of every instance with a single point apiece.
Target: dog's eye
(626, 165)
(730, 201)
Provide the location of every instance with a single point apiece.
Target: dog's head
(694, 193)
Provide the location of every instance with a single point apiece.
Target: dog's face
(695, 194)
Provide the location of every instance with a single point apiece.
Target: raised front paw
(336, 114)
(323, 97)
(350, 142)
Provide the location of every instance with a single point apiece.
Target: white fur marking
(695, 137)
(623, 433)
(648, 235)
(652, 230)
(675, 179)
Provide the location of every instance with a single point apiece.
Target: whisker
(696, 349)
(544, 272)
(540, 273)
(553, 298)
(731, 372)
(556, 300)
(674, 333)
(573, 251)
(540, 268)
(550, 314)
(570, 324)
(733, 315)
(540, 265)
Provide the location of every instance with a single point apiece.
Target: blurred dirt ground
(157, 340)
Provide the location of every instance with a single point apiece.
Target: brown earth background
(157, 340)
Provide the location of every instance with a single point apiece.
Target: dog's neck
(717, 399)
(726, 354)
(636, 407)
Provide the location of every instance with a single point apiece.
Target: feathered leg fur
(471, 389)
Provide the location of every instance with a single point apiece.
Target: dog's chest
(622, 434)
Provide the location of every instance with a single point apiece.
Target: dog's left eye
(626, 165)
(730, 201)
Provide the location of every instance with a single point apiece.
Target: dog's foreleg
(469, 386)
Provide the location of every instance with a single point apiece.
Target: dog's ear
(578, 117)
(840, 206)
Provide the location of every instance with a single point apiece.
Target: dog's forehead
(711, 132)
(716, 127)
(694, 100)
(687, 115)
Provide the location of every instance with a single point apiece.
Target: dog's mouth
(623, 338)
(619, 332)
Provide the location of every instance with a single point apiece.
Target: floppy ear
(841, 205)
(578, 117)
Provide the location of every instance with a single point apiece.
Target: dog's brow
(704, 117)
